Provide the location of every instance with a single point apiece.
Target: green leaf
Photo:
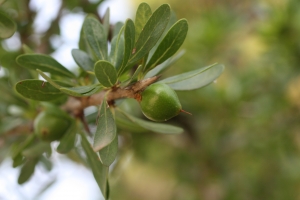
(106, 128)
(109, 153)
(38, 90)
(27, 170)
(165, 65)
(105, 73)
(100, 171)
(67, 142)
(82, 59)
(129, 35)
(96, 37)
(23, 145)
(153, 126)
(44, 63)
(170, 44)
(18, 160)
(117, 50)
(7, 25)
(143, 14)
(106, 24)
(26, 49)
(134, 76)
(81, 91)
(47, 78)
(194, 79)
(151, 32)
(117, 28)
(36, 149)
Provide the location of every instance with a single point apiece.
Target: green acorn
(50, 125)
(159, 102)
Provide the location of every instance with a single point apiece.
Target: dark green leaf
(106, 24)
(18, 160)
(47, 78)
(165, 65)
(108, 154)
(82, 59)
(96, 37)
(38, 90)
(23, 145)
(7, 25)
(143, 13)
(81, 91)
(27, 170)
(105, 73)
(129, 35)
(194, 79)
(106, 128)
(153, 126)
(36, 149)
(170, 44)
(67, 142)
(44, 63)
(151, 33)
(100, 171)
(117, 50)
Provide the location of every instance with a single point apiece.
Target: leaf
(194, 79)
(7, 25)
(165, 65)
(18, 160)
(109, 153)
(143, 13)
(105, 20)
(36, 149)
(117, 27)
(44, 63)
(27, 170)
(96, 37)
(81, 91)
(129, 35)
(151, 32)
(170, 44)
(23, 145)
(67, 142)
(38, 90)
(105, 73)
(117, 50)
(106, 128)
(82, 59)
(26, 49)
(134, 76)
(100, 171)
(153, 126)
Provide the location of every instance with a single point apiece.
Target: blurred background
(242, 141)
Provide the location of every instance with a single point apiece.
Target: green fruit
(50, 126)
(160, 102)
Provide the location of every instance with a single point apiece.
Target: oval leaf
(100, 171)
(105, 73)
(7, 25)
(44, 63)
(143, 13)
(38, 90)
(151, 32)
(83, 60)
(153, 126)
(109, 153)
(81, 91)
(105, 20)
(96, 37)
(67, 142)
(117, 50)
(194, 79)
(106, 128)
(36, 149)
(170, 44)
(27, 170)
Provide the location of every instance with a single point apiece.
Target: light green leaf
(96, 37)
(38, 90)
(153, 126)
(44, 63)
(7, 25)
(106, 24)
(106, 128)
(165, 65)
(117, 28)
(26, 49)
(100, 171)
(129, 35)
(67, 142)
(105, 73)
(81, 91)
(36, 149)
(143, 13)
(170, 44)
(82, 59)
(151, 32)
(27, 170)
(109, 153)
(28, 141)
(194, 79)
(117, 49)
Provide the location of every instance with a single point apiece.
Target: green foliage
(7, 25)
